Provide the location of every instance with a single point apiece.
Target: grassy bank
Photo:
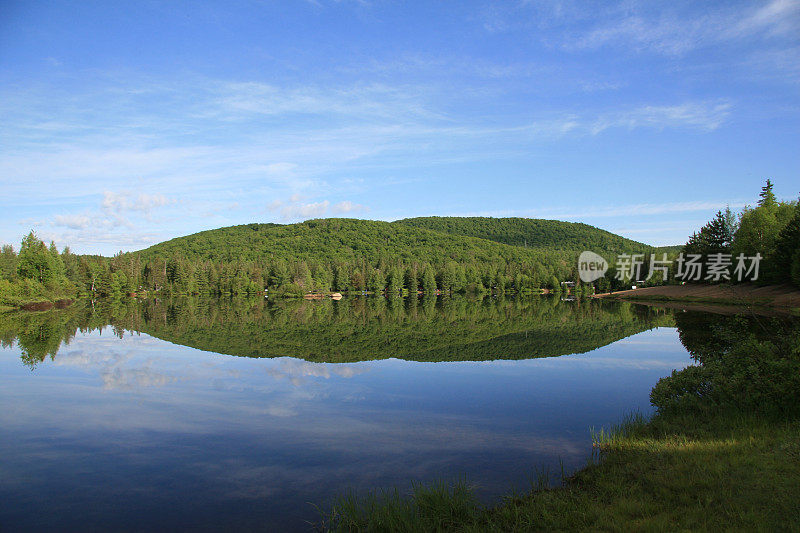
(726, 472)
(721, 452)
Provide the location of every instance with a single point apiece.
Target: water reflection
(107, 426)
(359, 329)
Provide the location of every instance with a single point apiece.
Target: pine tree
(428, 280)
(410, 279)
(766, 195)
(731, 224)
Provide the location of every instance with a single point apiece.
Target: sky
(123, 124)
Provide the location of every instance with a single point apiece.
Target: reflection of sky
(142, 433)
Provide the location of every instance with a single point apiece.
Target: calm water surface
(193, 415)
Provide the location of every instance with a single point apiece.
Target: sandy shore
(745, 294)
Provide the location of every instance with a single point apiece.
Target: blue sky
(123, 124)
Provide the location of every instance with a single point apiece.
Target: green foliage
(787, 249)
(740, 370)
(771, 229)
(428, 280)
(794, 271)
(529, 232)
(293, 290)
(715, 237)
(453, 256)
(766, 196)
(36, 275)
(8, 263)
(458, 254)
(34, 261)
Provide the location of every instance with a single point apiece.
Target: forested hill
(451, 256)
(337, 239)
(349, 254)
(433, 239)
(530, 232)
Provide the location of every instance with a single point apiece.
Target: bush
(753, 375)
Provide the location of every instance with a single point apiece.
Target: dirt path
(745, 294)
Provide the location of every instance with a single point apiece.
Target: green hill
(432, 239)
(338, 239)
(530, 232)
(435, 253)
(338, 254)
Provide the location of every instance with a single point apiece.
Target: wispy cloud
(698, 115)
(667, 28)
(668, 31)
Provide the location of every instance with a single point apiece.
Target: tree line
(769, 230)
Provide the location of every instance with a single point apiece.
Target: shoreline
(747, 295)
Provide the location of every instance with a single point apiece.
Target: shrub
(761, 376)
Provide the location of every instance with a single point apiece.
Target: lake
(246, 414)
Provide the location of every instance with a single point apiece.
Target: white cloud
(72, 221)
(348, 207)
(296, 209)
(106, 224)
(302, 211)
(126, 201)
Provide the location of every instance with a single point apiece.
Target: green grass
(434, 507)
(726, 472)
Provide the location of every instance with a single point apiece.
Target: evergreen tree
(34, 260)
(767, 197)
(8, 263)
(715, 237)
(410, 279)
(377, 281)
(428, 280)
(56, 264)
(731, 224)
(394, 281)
